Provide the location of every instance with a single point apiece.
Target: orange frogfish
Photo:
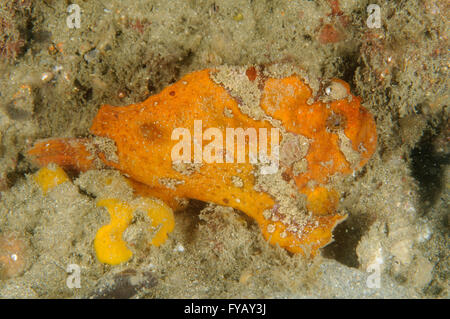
(258, 139)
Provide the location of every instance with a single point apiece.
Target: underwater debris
(13, 18)
(124, 285)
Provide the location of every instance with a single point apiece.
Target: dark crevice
(427, 164)
(192, 211)
(349, 66)
(346, 238)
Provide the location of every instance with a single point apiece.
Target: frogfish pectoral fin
(308, 234)
(307, 239)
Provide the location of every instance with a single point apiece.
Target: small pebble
(13, 256)
(179, 248)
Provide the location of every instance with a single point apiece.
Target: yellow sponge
(162, 219)
(49, 177)
(109, 244)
